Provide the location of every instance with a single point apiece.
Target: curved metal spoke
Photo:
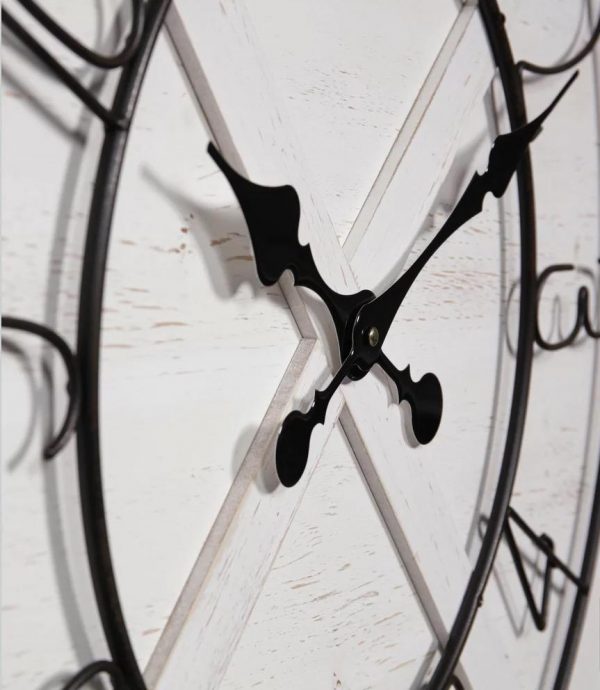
(74, 386)
(132, 41)
(582, 319)
(94, 669)
(567, 64)
(73, 84)
(89, 320)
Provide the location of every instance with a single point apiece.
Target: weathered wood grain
(351, 579)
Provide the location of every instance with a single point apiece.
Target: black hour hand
(273, 218)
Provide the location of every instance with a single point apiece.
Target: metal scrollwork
(73, 386)
(545, 544)
(92, 671)
(82, 366)
(583, 319)
(129, 51)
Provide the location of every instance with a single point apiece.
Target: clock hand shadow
(222, 231)
(221, 235)
(266, 477)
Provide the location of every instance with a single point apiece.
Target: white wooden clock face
(378, 114)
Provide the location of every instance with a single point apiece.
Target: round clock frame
(84, 370)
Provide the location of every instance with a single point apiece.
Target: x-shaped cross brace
(362, 320)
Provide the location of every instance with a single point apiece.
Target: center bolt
(373, 336)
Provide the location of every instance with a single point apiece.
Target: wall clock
(227, 546)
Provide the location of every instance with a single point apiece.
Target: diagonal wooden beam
(421, 109)
(423, 152)
(235, 560)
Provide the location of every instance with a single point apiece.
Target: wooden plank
(211, 116)
(228, 575)
(418, 113)
(337, 603)
(349, 73)
(422, 155)
(420, 522)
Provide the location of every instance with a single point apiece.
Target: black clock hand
(504, 159)
(293, 442)
(424, 397)
(273, 216)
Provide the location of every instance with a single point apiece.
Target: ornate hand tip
(215, 154)
(272, 215)
(291, 454)
(568, 84)
(537, 123)
(427, 408)
(424, 397)
(508, 149)
(232, 175)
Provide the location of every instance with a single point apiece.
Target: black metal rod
(569, 653)
(539, 614)
(569, 339)
(73, 84)
(493, 21)
(457, 684)
(88, 348)
(544, 544)
(568, 64)
(132, 41)
(58, 442)
(582, 319)
(80, 679)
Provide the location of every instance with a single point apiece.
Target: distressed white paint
(440, 591)
(345, 112)
(336, 600)
(375, 140)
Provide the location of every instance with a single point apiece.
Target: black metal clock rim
(512, 86)
(88, 350)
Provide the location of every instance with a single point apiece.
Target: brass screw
(373, 336)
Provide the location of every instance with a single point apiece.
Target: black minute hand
(273, 216)
(504, 159)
